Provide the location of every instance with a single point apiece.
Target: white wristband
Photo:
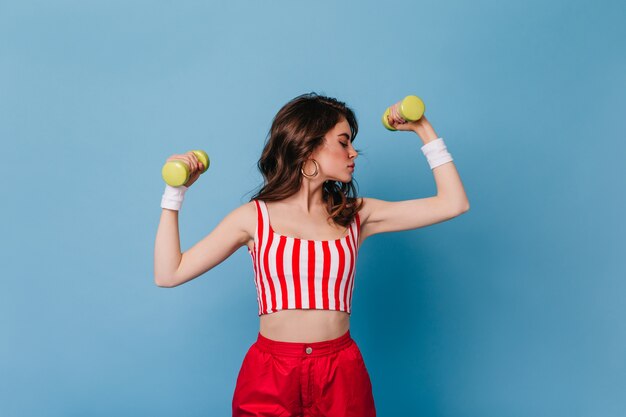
(436, 153)
(173, 197)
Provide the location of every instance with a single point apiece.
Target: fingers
(190, 159)
(395, 114)
(398, 122)
(194, 164)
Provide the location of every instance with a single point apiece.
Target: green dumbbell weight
(176, 173)
(411, 108)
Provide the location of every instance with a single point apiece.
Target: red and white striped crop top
(292, 273)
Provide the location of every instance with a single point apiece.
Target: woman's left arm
(451, 201)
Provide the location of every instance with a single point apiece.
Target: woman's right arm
(172, 268)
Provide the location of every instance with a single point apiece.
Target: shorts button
(309, 350)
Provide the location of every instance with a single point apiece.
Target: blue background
(515, 308)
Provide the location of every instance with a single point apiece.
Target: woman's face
(336, 155)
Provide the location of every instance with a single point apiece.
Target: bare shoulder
(366, 209)
(245, 216)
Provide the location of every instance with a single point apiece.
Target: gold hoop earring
(313, 174)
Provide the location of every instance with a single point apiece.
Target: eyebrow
(344, 134)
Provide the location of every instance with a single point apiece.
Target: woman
(304, 361)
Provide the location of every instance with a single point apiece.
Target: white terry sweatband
(173, 197)
(436, 152)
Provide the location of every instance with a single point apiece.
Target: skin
(303, 215)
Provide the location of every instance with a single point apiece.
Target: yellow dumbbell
(411, 108)
(176, 173)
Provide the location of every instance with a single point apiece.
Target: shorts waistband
(304, 349)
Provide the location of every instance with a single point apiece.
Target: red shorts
(319, 379)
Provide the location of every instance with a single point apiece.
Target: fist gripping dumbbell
(411, 108)
(176, 173)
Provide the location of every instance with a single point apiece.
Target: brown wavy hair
(297, 130)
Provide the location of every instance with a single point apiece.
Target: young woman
(303, 230)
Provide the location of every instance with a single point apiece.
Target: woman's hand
(191, 160)
(422, 126)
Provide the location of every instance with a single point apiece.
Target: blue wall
(515, 308)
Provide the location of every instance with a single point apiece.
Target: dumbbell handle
(411, 108)
(176, 173)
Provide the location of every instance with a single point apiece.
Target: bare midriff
(304, 326)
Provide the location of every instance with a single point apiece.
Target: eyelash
(344, 144)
